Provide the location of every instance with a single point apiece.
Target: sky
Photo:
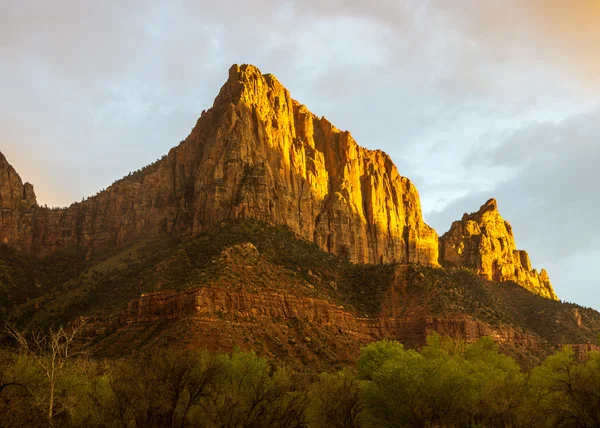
(472, 99)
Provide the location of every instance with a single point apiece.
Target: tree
(567, 391)
(51, 352)
(251, 394)
(161, 388)
(336, 401)
(374, 355)
(450, 383)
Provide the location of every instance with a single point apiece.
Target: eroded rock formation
(257, 153)
(396, 321)
(484, 241)
(17, 207)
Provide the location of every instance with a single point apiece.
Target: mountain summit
(484, 241)
(258, 154)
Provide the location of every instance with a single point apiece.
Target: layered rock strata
(214, 302)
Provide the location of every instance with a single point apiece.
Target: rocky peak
(17, 203)
(13, 192)
(247, 84)
(256, 154)
(271, 159)
(29, 194)
(490, 205)
(484, 241)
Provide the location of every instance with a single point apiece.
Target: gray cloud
(550, 196)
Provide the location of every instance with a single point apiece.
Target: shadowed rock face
(257, 153)
(17, 207)
(484, 241)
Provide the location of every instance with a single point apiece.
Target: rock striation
(396, 322)
(205, 302)
(257, 153)
(484, 241)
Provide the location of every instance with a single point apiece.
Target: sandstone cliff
(223, 314)
(17, 207)
(257, 153)
(484, 241)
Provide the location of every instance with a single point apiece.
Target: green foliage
(336, 401)
(159, 389)
(448, 383)
(251, 394)
(376, 354)
(566, 391)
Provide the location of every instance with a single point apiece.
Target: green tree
(374, 355)
(252, 394)
(567, 391)
(450, 383)
(161, 388)
(498, 384)
(335, 401)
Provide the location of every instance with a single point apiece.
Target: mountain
(255, 154)
(268, 228)
(18, 204)
(484, 241)
(245, 284)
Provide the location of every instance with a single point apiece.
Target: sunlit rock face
(484, 241)
(257, 153)
(265, 156)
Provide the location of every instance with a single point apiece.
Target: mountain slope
(257, 153)
(246, 284)
(267, 216)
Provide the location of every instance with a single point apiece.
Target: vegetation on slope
(461, 291)
(41, 293)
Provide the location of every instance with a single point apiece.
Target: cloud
(574, 280)
(550, 198)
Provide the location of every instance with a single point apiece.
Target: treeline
(446, 384)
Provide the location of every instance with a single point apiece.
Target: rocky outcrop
(208, 301)
(257, 153)
(17, 207)
(484, 241)
(217, 304)
(580, 351)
